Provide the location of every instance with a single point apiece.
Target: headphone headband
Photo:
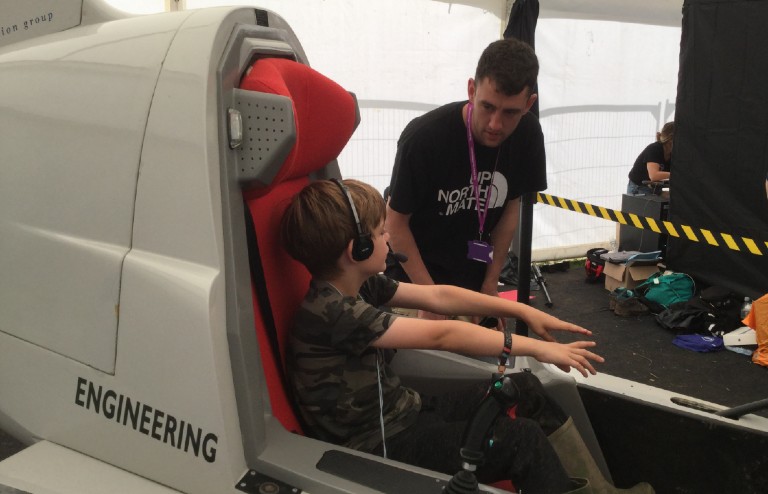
(362, 246)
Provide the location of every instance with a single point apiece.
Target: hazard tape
(714, 239)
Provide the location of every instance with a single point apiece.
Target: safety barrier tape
(714, 239)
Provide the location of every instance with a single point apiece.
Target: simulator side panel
(114, 338)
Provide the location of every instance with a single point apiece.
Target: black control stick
(502, 395)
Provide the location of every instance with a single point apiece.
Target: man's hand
(490, 288)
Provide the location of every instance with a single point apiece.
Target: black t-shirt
(653, 153)
(432, 181)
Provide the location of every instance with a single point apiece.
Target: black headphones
(362, 245)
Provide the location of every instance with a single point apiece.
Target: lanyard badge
(477, 250)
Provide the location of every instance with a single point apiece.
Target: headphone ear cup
(362, 247)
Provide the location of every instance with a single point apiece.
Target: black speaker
(644, 240)
(362, 245)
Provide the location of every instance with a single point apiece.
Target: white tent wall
(608, 82)
(605, 88)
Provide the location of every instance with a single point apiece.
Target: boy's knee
(512, 435)
(532, 393)
(527, 381)
(535, 403)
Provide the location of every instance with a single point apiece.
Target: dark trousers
(520, 451)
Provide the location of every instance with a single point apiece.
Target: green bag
(661, 290)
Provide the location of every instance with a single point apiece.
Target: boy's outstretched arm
(456, 301)
(469, 339)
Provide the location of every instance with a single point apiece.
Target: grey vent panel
(269, 133)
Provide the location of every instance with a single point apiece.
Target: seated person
(340, 349)
(654, 163)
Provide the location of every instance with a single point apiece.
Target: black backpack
(715, 311)
(724, 304)
(685, 318)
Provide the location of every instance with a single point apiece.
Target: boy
(344, 387)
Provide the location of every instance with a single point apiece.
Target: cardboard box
(628, 275)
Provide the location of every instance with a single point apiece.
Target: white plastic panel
(32, 18)
(161, 240)
(73, 110)
(46, 468)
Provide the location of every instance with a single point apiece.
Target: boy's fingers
(572, 328)
(585, 367)
(587, 355)
(581, 369)
(581, 361)
(547, 337)
(579, 329)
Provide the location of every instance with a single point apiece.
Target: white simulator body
(128, 359)
(113, 258)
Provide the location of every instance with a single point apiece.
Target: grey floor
(637, 348)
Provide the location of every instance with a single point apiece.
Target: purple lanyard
(481, 215)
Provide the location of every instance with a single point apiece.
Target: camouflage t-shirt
(333, 369)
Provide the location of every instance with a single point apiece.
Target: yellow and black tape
(714, 239)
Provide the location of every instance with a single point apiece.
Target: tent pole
(523, 17)
(525, 230)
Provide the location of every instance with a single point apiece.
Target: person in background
(340, 350)
(459, 173)
(654, 163)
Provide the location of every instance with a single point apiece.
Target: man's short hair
(317, 225)
(511, 64)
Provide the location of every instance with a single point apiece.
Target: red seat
(325, 117)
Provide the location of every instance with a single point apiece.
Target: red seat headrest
(325, 114)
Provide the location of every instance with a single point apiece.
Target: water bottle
(746, 307)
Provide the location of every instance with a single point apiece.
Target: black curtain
(522, 25)
(720, 155)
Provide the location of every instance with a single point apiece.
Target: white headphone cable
(381, 405)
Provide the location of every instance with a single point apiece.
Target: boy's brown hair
(317, 225)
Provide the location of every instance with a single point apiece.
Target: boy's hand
(569, 356)
(542, 323)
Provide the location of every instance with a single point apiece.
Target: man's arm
(401, 239)
(501, 238)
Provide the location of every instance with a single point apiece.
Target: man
(455, 195)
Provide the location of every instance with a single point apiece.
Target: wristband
(506, 351)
